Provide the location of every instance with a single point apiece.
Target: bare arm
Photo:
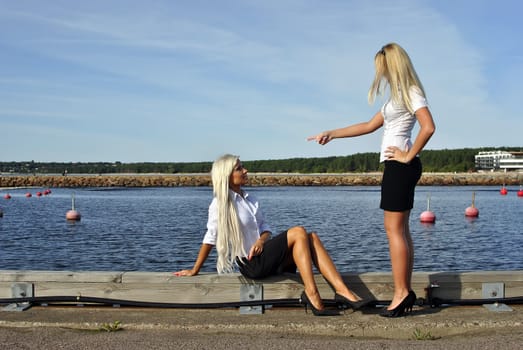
(350, 131)
(205, 249)
(427, 129)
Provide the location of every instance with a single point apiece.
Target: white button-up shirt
(251, 219)
(398, 122)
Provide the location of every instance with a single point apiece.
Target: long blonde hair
(229, 241)
(394, 67)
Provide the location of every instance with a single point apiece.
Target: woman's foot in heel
(403, 308)
(304, 299)
(344, 303)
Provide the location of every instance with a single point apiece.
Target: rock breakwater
(256, 179)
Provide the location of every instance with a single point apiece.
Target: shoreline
(255, 179)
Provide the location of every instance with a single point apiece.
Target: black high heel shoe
(403, 308)
(344, 303)
(305, 300)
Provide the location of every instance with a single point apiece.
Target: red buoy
(7, 196)
(39, 194)
(472, 211)
(73, 214)
(503, 190)
(28, 195)
(428, 216)
(520, 192)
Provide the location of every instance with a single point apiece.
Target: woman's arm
(205, 249)
(350, 131)
(257, 248)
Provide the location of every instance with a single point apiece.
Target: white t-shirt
(252, 221)
(398, 122)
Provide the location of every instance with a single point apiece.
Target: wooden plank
(60, 276)
(168, 277)
(469, 285)
(5, 289)
(213, 288)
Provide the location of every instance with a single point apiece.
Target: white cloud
(178, 81)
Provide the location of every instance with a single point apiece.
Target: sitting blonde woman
(237, 227)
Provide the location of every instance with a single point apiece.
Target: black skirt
(274, 260)
(398, 184)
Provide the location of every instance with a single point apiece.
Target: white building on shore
(499, 160)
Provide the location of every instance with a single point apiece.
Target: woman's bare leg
(298, 243)
(411, 250)
(401, 253)
(325, 265)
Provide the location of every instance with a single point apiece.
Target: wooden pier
(164, 287)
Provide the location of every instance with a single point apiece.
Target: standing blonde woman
(398, 116)
(242, 237)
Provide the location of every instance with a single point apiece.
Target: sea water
(161, 229)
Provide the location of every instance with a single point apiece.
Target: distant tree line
(455, 160)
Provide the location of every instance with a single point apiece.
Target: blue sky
(168, 80)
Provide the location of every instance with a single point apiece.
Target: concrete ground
(98, 327)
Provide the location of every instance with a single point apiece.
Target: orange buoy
(73, 214)
(472, 211)
(428, 216)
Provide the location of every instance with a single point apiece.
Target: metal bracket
(20, 290)
(494, 291)
(430, 289)
(251, 292)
